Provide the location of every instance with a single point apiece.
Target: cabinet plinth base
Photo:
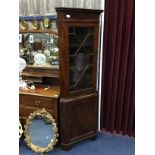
(94, 138)
(68, 146)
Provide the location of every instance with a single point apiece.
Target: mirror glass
(40, 132)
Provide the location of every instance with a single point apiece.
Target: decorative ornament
(46, 23)
(35, 24)
(23, 25)
(39, 59)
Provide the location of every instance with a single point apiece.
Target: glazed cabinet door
(81, 54)
(79, 60)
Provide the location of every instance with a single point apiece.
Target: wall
(100, 61)
(46, 7)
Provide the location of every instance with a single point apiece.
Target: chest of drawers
(42, 97)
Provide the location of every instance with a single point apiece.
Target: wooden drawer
(38, 101)
(24, 112)
(30, 103)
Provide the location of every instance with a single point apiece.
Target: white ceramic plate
(39, 59)
(20, 130)
(22, 64)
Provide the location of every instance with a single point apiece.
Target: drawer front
(24, 112)
(38, 102)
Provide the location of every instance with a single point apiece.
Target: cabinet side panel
(63, 66)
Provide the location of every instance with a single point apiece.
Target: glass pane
(81, 41)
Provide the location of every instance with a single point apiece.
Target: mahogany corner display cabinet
(78, 46)
(72, 96)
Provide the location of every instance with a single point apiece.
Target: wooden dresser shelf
(35, 71)
(39, 31)
(40, 74)
(44, 91)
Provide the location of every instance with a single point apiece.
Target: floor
(106, 144)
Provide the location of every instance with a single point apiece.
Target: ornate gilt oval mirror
(41, 131)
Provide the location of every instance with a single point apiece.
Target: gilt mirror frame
(47, 117)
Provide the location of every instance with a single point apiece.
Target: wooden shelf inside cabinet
(39, 31)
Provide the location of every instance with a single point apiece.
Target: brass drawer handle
(37, 102)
